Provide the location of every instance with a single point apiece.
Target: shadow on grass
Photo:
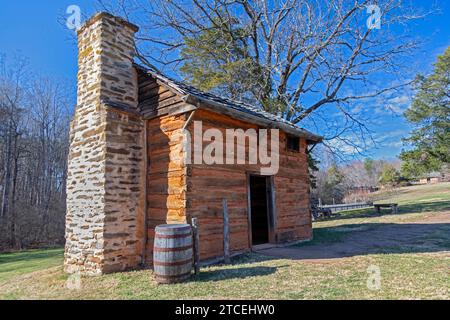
(236, 273)
(402, 209)
(370, 238)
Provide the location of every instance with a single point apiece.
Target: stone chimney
(106, 180)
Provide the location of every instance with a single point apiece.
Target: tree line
(34, 124)
(352, 182)
(428, 146)
(426, 150)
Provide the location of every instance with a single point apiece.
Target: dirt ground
(420, 236)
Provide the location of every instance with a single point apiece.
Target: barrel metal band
(181, 276)
(171, 264)
(159, 249)
(172, 236)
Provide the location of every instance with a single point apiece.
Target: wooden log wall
(292, 194)
(208, 185)
(166, 183)
(178, 192)
(156, 100)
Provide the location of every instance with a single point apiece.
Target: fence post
(196, 238)
(226, 232)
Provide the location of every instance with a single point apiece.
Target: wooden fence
(346, 206)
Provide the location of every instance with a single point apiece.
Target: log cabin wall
(154, 99)
(166, 172)
(292, 194)
(207, 185)
(166, 175)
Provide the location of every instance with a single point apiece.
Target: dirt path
(431, 234)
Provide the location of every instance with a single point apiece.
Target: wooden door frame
(271, 207)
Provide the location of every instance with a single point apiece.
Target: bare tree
(11, 105)
(49, 129)
(34, 121)
(293, 57)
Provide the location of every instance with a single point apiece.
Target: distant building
(431, 178)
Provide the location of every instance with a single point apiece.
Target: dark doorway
(259, 209)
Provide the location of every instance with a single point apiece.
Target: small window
(293, 144)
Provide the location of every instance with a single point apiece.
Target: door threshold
(263, 246)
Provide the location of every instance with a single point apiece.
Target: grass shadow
(402, 209)
(375, 238)
(234, 273)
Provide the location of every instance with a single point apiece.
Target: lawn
(405, 274)
(415, 203)
(15, 264)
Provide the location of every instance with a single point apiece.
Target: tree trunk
(7, 182)
(13, 233)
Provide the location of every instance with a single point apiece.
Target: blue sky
(33, 29)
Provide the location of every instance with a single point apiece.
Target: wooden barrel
(172, 253)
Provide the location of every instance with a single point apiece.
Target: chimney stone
(106, 182)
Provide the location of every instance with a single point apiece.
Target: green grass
(413, 202)
(14, 264)
(256, 277)
(405, 274)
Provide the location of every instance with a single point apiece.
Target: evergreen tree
(430, 114)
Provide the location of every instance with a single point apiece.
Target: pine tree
(430, 114)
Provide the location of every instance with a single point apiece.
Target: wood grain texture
(173, 253)
(166, 177)
(208, 185)
(226, 232)
(179, 192)
(156, 100)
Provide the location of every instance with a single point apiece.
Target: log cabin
(128, 170)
